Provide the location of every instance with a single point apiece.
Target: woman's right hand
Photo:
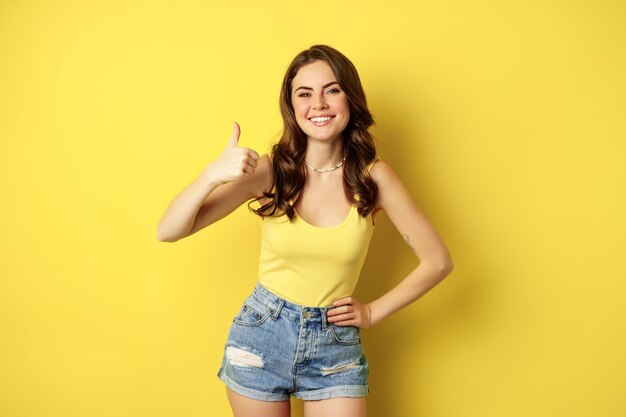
(234, 162)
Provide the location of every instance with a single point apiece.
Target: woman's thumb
(234, 139)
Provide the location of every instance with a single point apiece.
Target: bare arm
(180, 215)
(435, 262)
(222, 186)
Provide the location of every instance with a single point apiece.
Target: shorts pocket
(252, 312)
(345, 335)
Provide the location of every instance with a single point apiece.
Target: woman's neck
(322, 155)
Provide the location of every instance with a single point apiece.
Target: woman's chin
(325, 138)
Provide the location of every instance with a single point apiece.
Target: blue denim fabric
(276, 348)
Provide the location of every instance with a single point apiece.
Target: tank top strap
(369, 166)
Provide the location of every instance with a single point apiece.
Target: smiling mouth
(321, 121)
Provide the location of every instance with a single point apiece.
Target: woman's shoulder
(379, 169)
(384, 175)
(388, 182)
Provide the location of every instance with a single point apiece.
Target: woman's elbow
(164, 237)
(443, 266)
(446, 266)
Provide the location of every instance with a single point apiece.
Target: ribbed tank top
(311, 265)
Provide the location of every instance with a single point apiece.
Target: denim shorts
(276, 348)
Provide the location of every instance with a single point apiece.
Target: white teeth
(320, 119)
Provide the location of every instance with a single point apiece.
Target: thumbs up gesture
(234, 162)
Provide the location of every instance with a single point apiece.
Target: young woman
(298, 332)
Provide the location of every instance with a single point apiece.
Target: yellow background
(504, 119)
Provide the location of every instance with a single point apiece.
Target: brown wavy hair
(287, 156)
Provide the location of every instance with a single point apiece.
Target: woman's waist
(303, 291)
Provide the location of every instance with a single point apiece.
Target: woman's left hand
(348, 311)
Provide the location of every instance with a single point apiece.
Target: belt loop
(278, 308)
(324, 322)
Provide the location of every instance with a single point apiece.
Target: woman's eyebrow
(309, 88)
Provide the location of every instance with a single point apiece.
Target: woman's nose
(319, 103)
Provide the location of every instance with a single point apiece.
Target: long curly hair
(287, 156)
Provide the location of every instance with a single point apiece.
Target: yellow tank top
(311, 265)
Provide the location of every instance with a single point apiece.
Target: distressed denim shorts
(276, 348)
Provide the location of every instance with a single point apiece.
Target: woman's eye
(332, 90)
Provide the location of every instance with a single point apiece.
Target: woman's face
(320, 105)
